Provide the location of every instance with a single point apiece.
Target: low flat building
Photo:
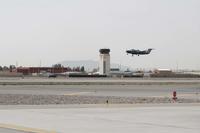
(33, 70)
(163, 71)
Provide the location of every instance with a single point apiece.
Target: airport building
(104, 62)
(37, 70)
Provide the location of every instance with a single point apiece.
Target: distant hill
(89, 64)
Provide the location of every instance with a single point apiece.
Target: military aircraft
(139, 52)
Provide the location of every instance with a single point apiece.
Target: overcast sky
(51, 31)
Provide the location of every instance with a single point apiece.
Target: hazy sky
(57, 30)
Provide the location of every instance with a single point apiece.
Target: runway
(83, 118)
(173, 118)
(104, 90)
(4, 130)
(98, 81)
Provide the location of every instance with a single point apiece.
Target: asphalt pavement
(4, 130)
(104, 90)
(97, 81)
(157, 118)
(173, 118)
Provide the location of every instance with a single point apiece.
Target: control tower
(104, 63)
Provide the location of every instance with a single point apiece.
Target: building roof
(104, 51)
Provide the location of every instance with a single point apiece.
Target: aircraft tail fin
(149, 50)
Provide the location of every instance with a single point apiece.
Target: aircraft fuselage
(139, 52)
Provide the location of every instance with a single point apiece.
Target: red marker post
(174, 96)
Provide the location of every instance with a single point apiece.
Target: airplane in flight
(139, 52)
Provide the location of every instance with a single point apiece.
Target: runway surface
(4, 130)
(105, 90)
(157, 118)
(173, 118)
(97, 81)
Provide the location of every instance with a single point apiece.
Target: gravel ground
(20, 99)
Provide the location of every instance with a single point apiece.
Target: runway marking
(24, 129)
(77, 93)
